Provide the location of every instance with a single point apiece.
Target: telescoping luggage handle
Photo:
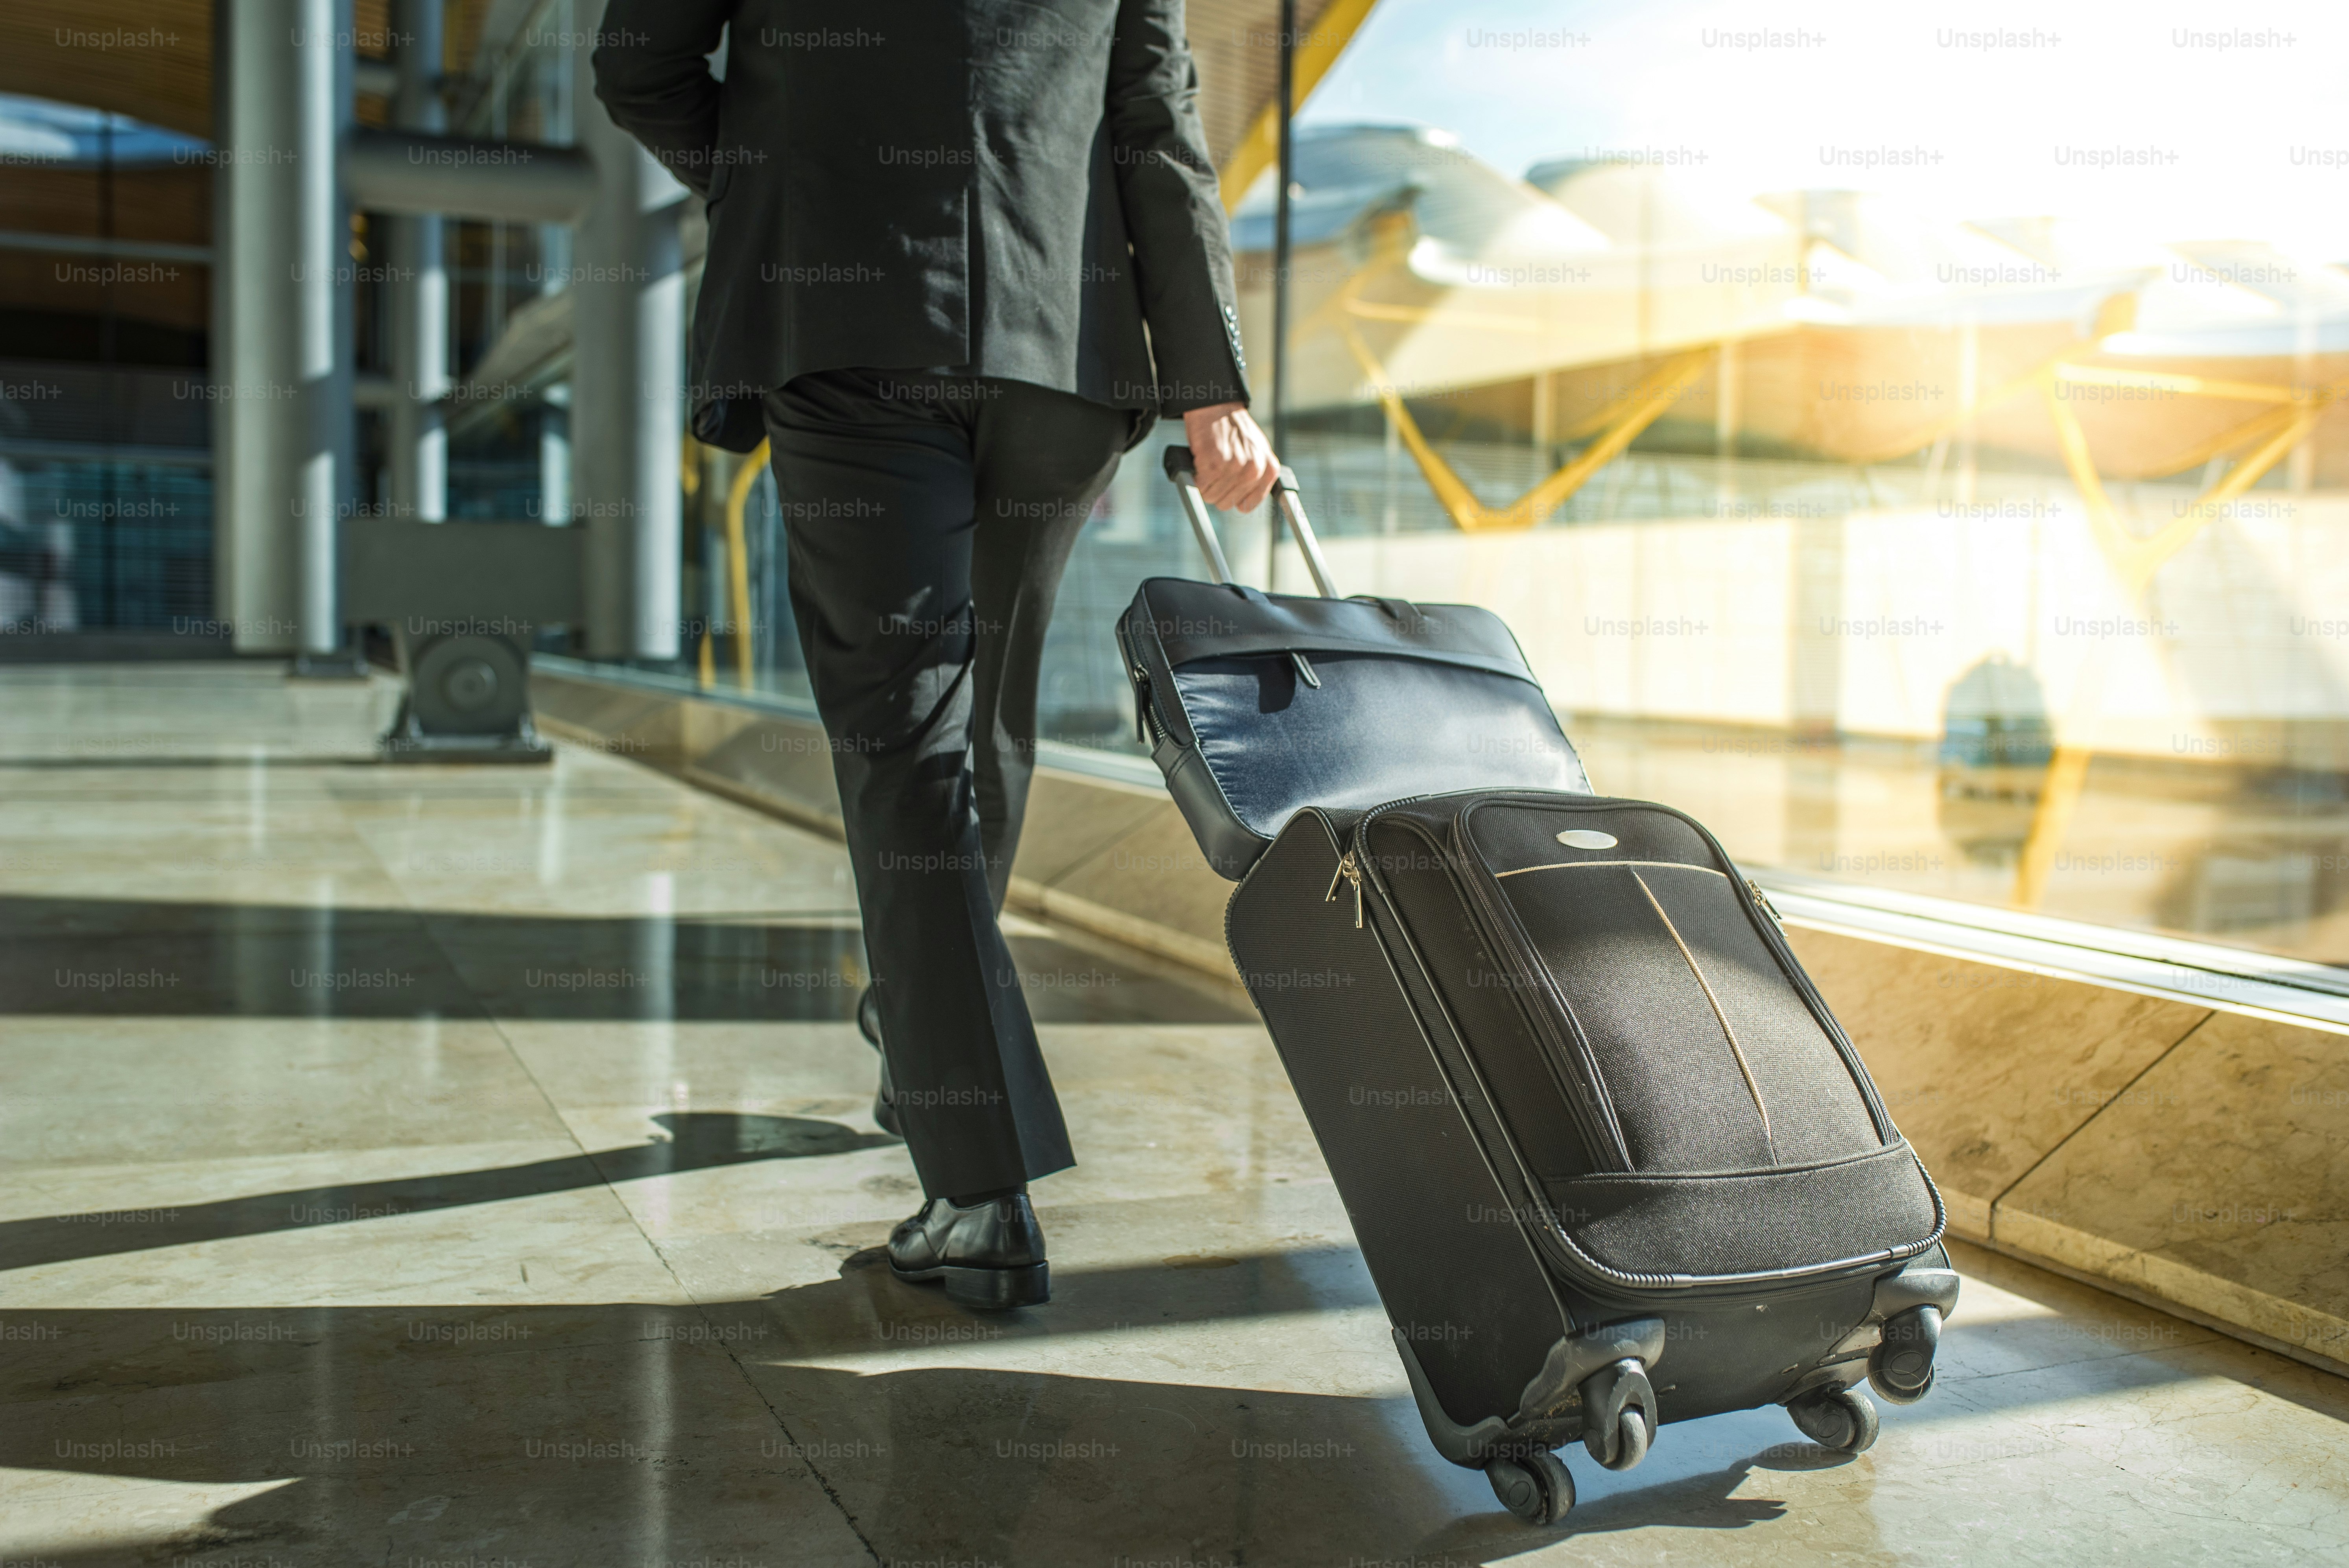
(1185, 474)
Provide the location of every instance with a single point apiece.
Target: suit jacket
(1010, 188)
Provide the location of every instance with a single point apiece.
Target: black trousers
(931, 518)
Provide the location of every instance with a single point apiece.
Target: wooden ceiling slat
(153, 59)
(173, 204)
(169, 293)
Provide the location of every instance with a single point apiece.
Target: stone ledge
(2191, 1158)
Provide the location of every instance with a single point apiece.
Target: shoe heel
(997, 1290)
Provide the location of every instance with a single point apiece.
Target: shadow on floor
(866, 1312)
(626, 1433)
(126, 958)
(697, 1140)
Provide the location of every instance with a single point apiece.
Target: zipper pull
(1767, 907)
(1142, 706)
(1348, 871)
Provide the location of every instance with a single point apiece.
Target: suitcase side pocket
(1464, 1286)
(1547, 1108)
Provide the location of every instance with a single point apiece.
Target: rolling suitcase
(1610, 1161)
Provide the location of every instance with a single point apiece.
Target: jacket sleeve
(652, 74)
(1173, 213)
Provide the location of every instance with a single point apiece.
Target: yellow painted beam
(2252, 469)
(1318, 50)
(2050, 820)
(2134, 562)
(2103, 523)
(1644, 406)
(1629, 415)
(738, 560)
(1368, 310)
(2259, 426)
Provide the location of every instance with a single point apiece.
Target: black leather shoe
(868, 1023)
(990, 1254)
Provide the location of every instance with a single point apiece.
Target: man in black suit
(937, 234)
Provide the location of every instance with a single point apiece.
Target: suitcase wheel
(1619, 1414)
(1536, 1488)
(1839, 1419)
(1900, 1367)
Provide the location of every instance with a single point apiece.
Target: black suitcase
(1609, 1158)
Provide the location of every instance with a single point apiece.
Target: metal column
(323, 331)
(555, 458)
(418, 297)
(1285, 172)
(256, 409)
(627, 393)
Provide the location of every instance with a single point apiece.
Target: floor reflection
(125, 958)
(440, 1167)
(642, 1431)
(2250, 856)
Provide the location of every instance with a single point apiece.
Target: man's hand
(1235, 464)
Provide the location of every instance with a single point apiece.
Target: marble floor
(432, 1166)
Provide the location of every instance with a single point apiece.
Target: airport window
(1908, 447)
(1935, 502)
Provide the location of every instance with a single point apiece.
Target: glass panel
(1911, 450)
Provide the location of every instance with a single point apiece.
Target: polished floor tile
(555, 1240)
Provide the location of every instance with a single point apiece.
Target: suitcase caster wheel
(1839, 1419)
(1536, 1488)
(1632, 1439)
(1618, 1412)
(1898, 1396)
(1900, 1369)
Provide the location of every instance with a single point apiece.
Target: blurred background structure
(1940, 504)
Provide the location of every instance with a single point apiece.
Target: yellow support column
(738, 561)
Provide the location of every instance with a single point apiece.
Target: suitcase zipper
(1143, 721)
(1149, 725)
(1349, 871)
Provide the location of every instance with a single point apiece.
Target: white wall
(1710, 619)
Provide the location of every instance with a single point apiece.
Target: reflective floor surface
(431, 1166)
